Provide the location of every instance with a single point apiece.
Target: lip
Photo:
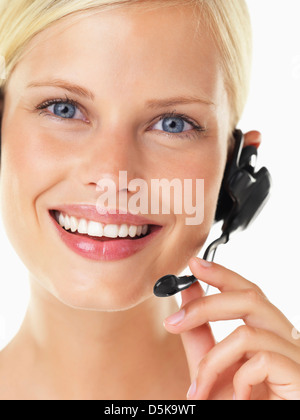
(114, 216)
(103, 250)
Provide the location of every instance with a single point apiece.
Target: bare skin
(94, 330)
(69, 321)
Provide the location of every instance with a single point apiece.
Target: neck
(96, 354)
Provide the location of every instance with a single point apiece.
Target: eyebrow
(64, 84)
(178, 100)
(151, 104)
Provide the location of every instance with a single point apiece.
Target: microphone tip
(166, 286)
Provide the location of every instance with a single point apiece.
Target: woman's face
(138, 69)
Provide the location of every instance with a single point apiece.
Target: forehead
(125, 48)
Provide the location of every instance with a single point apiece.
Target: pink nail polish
(204, 263)
(175, 318)
(192, 390)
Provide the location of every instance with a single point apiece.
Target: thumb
(198, 341)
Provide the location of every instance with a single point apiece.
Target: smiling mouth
(101, 231)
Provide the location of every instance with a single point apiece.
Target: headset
(242, 196)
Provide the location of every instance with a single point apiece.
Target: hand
(260, 355)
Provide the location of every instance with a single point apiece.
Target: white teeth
(92, 228)
(111, 231)
(123, 231)
(95, 229)
(83, 226)
(132, 231)
(74, 224)
(61, 220)
(67, 223)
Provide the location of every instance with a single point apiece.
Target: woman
(154, 89)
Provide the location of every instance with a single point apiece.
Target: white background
(268, 253)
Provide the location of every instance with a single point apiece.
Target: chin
(102, 297)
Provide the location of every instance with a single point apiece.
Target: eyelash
(186, 134)
(197, 129)
(50, 102)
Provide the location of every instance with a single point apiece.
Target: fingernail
(233, 397)
(203, 263)
(192, 390)
(175, 318)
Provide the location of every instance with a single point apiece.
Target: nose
(106, 155)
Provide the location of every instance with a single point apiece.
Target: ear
(252, 138)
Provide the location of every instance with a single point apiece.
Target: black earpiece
(243, 194)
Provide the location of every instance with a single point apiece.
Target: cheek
(205, 174)
(207, 165)
(29, 160)
(28, 170)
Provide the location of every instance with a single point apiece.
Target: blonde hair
(227, 20)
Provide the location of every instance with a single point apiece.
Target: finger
(281, 375)
(246, 304)
(243, 342)
(220, 277)
(226, 280)
(252, 138)
(198, 341)
(193, 292)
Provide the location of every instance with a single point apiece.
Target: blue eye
(177, 124)
(173, 125)
(64, 110)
